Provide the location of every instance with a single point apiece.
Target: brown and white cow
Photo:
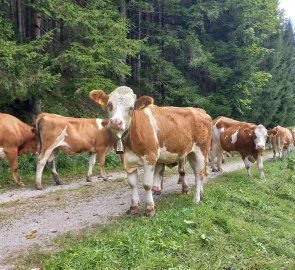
(282, 142)
(235, 136)
(155, 136)
(16, 138)
(71, 135)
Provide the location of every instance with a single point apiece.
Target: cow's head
(120, 105)
(272, 132)
(259, 134)
(30, 144)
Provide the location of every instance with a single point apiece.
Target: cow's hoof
(133, 210)
(59, 183)
(39, 187)
(105, 178)
(150, 211)
(88, 179)
(21, 184)
(158, 192)
(214, 170)
(185, 190)
(219, 170)
(202, 195)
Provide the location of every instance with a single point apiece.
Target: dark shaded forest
(232, 57)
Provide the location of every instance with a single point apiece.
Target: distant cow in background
(246, 138)
(282, 142)
(71, 135)
(16, 138)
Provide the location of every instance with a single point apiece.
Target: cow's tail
(38, 136)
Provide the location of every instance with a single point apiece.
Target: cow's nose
(116, 123)
(260, 146)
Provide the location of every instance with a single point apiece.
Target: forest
(232, 57)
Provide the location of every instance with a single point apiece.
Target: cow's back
(173, 129)
(80, 134)
(12, 130)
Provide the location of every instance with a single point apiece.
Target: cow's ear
(248, 131)
(100, 97)
(143, 102)
(272, 132)
(104, 122)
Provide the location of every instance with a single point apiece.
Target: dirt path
(72, 207)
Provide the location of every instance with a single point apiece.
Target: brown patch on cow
(104, 122)
(143, 102)
(100, 97)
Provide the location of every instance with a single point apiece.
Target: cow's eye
(110, 106)
(131, 109)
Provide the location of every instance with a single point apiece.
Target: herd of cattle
(144, 135)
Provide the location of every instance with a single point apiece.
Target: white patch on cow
(99, 123)
(131, 160)
(261, 135)
(167, 157)
(234, 136)
(153, 122)
(2, 153)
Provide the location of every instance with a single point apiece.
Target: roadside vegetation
(243, 223)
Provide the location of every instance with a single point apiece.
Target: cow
(16, 138)
(71, 135)
(282, 142)
(246, 138)
(152, 137)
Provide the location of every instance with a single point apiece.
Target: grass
(67, 165)
(243, 223)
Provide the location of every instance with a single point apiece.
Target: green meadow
(242, 223)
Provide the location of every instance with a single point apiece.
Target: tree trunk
(36, 33)
(122, 77)
(20, 18)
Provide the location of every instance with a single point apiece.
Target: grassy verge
(242, 224)
(67, 165)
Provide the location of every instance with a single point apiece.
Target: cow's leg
(12, 156)
(149, 169)
(216, 152)
(157, 186)
(132, 181)
(247, 165)
(41, 162)
(91, 163)
(181, 171)
(51, 165)
(102, 161)
(260, 166)
(197, 162)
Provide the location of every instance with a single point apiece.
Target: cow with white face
(235, 136)
(152, 137)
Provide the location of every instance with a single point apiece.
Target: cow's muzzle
(116, 124)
